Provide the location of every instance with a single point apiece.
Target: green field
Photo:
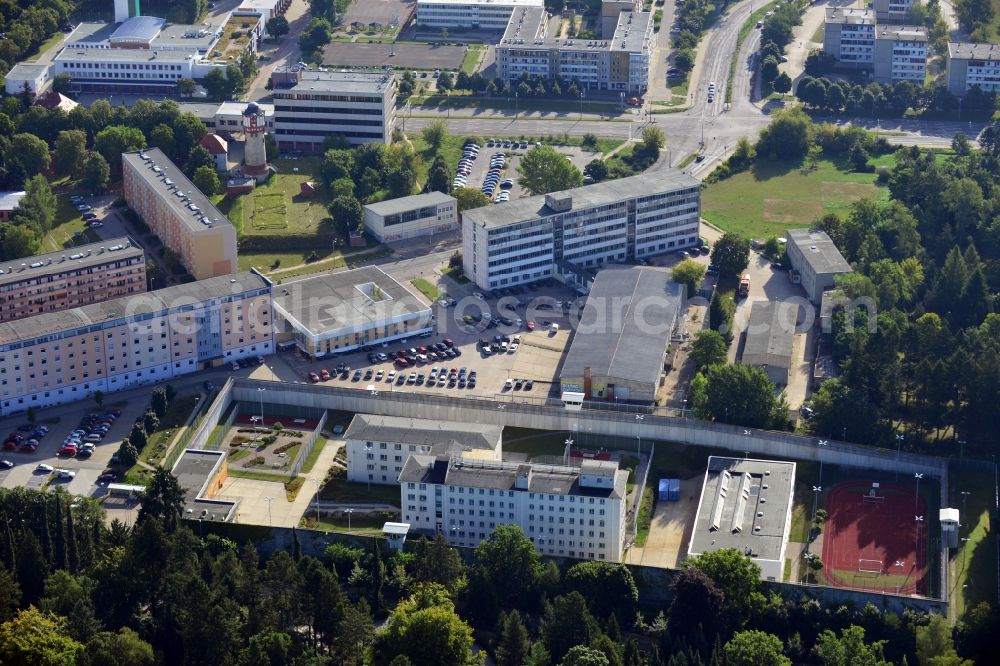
(67, 224)
(974, 562)
(276, 206)
(775, 196)
(472, 56)
(427, 289)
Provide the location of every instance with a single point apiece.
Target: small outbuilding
(818, 261)
(219, 149)
(769, 338)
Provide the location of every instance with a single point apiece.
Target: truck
(744, 285)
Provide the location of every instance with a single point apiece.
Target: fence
(308, 446)
(202, 432)
(633, 527)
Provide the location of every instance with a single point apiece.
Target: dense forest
(75, 591)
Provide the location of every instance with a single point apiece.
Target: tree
(268, 648)
(437, 562)
(743, 395)
(426, 629)
(124, 648)
(445, 81)
(755, 648)
(696, 605)
(38, 206)
(10, 594)
(597, 169)
(138, 436)
(316, 33)
(32, 568)
(163, 499)
(709, 348)
(277, 27)
(514, 645)
(34, 637)
(543, 169)
(469, 198)
(32, 152)
(581, 655)
(150, 421)
(206, 179)
(731, 254)
(690, 273)
(608, 588)
(935, 645)
(112, 141)
(734, 573)
(438, 178)
(197, 158)
(96, 173)
(782, 83)
(217, 86)
(789, 134)
(566, 623)
(509, 561)
(70, 148)
(849, 649)
(186, 87)
(653, 140)
(974, 13)
(127, 454)
(347, 212)
(158, 401)
(434, 134)
(162, 137)
(19, 242)
(769, 69)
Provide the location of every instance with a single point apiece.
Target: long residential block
(973, 65)
(576, 512)
(859, 41)
(71, 278)
(474, 14)
(184, 219)
(56, 358)
(586, 227)
(893, 11)
(901, 54)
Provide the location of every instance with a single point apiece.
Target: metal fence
(308, 446)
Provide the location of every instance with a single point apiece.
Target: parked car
(313, 377)
(6, 464)
(42, 467)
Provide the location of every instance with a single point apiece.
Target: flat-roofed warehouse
(769, 338)
(746, 504)
(815, 256)
(619, 348)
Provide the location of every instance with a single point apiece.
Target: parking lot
(512, 151)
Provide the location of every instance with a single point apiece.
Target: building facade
(901, 54)
(893, 11)
(817, 260)
(469, 14)
(973, 65)
(56, 358)
(71, 278)
(576, 512)
(769, 338)
(611, 222)
(860, 41)
(378, 446)
(9, 201)
(411, 217)
(618, 63)
(28, 77)
(310, 105)
(849, 36)
(179, 214)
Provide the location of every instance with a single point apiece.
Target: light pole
(268, 500)
(816, 491)
(569, 447)
(348, 512)
(916, 500)
(260, 398)
(965, 495)
(899, 444)
(916, 547)
(961, 450)
(821, 442)
(371, 465)
(638, 435)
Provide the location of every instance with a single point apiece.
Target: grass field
(67, 224)
(473, 54)
(339, 488)
(276, 206)
(265, 261)
(774, 196)
(427, 289)
(974, 562)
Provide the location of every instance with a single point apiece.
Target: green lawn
(277, 207)
(68, 223)
(974, 562)
(774, 196)
(177, 413)
(427, 289)
(313, 456)
(335, 261)
(472, 56)
(265, 261)
(338, 488)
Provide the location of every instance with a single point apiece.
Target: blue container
(664, 493)
(673, 490)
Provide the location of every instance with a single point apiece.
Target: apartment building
(469, 14)
(183, 218)
(576, 512)
(310, 105)
(555, 234)
(71, 278)
(610, 9)
(849, 36)
(618, 63)
(378, 446)
(59, 357)
(893, 11)
(413, 216)
(973, 65)
(901, 54)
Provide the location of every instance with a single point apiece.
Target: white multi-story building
(310, 105)
(619, 62)
(895, 11)
(901, 54)
(413, 216)
(378, 446)
(973, 65)
(849, 36)
(610, 222)
(474, 14)
(577, 512)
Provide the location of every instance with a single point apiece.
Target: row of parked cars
(442, 377)
(469, 154)
(403, 358)
(89, 216)
(92, 430)
(492, 180)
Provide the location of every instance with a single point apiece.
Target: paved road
(284, 53)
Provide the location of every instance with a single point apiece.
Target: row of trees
(525, 86)
(222, 85)
(890, 100)
(138, 437)
(692, 18)
(775, 35)
(27, 24)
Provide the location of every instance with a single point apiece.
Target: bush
(256, 461)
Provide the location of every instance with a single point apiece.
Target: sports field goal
(869, 566)
(871, 498)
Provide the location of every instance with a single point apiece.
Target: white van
(554, 328)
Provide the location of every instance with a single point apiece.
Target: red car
(402, 362)
(324, 374)
(313, 377)
(9, 445)
(449, 342)
(530, 325)
(68, 450)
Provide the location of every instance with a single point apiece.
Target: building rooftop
(92, 32)
(124, 55)
(237, 108)
(180, 296)
(969, 51)
(821, 253)
(181, 36)
(403, 204)
(10, 200)
(352, 300)
(630, 34)
(374, 83)
(528, 27)
(138, 28)
(902, 33)
(481, 3)
(530, 208)
(26, 70)
(214, 144)
(625, 325)
(194, 471)
(172, 186)
(850, 16)
(549, 479)
(745, 504)
(771, 328)
(74, 258)
(423, 432)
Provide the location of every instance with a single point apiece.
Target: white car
(443, 302)
(517, 338)
(42, 467)
(391, 376)
(479, 295)
(512, 348)
(65, 474)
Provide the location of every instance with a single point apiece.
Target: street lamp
(348, 512)
(816, 491)
(371, 465)
(569, 446)
(638, 435)
(916, 499)
(268, 500)
(965, 496)
(821, 442)
(260, 398)
(899, 444)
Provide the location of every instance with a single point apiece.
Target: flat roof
(174, 35)
(819, 251)
(744, 505)
(625, 325)
(346, 300)
(129, 306)
(404, 204)
(535, 207)
(237, 108)
(484, 3)
(26, 70)
(423, 432)
(169, 183)
(771, 328)
(73, 258)
(528, 29)
(95, 32)
(549, 479)
(10, 200)
(969, 51)
(850, 16)
(343, 82)
(907, 33)
(124, 55)
(194, 470)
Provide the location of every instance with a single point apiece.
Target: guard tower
(254, 152)
(949, 526)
